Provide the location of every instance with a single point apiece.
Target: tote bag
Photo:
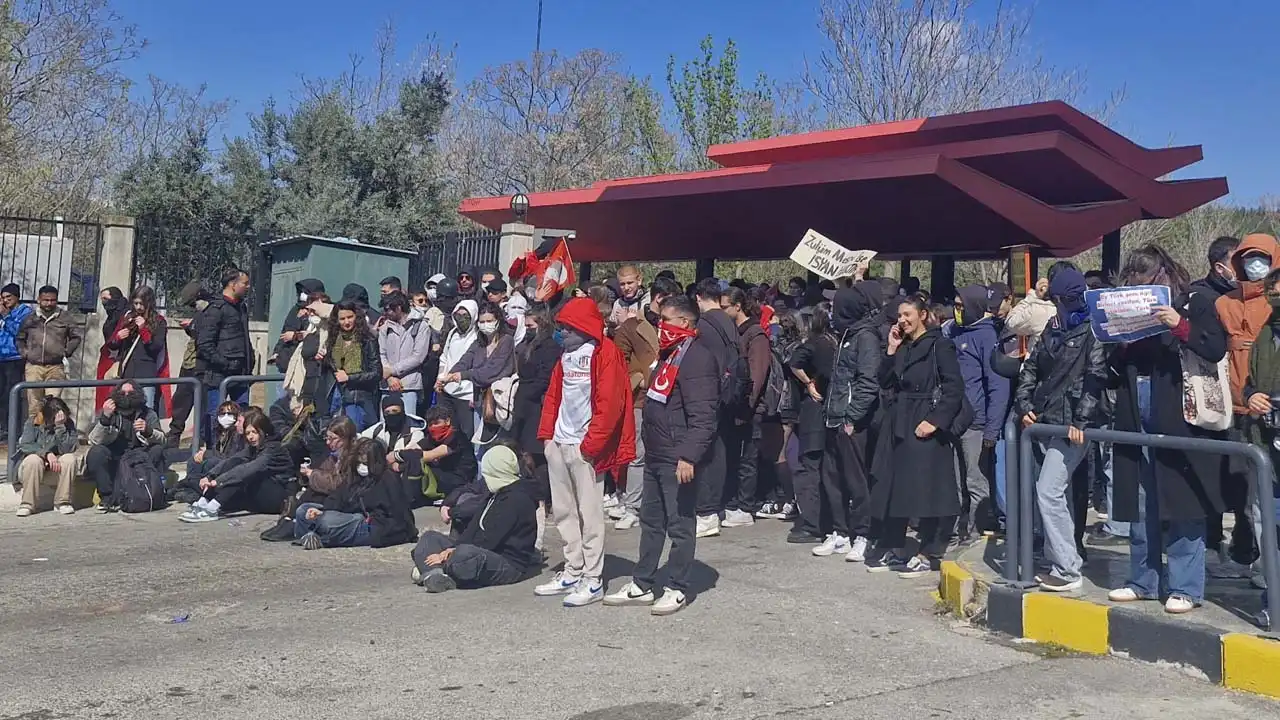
(1206, 392)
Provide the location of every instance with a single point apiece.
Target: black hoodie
(356, 293)
(507, 524)
(854, 390)
(475, 293)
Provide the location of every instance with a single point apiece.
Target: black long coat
(916, 478)
(1189, 484)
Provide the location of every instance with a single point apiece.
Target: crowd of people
(858, 412)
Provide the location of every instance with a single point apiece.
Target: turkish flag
(555, 273)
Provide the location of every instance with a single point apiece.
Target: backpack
(139, 485)
(779, 392)
(735, 384)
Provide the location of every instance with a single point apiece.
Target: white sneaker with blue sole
(561, 584)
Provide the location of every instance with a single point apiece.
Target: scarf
(671, 335)
(348, 355)
(295, 374)
(664, 380)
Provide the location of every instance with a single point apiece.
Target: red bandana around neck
(671, 335)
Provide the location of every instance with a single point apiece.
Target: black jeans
(668, 509)
(102, 462)
(711, 475)
(259, 496)
(470, 566)
(844, 480)
(933, 534)
(12, 372)
(184, 399)
(743, 476)
(808, 488)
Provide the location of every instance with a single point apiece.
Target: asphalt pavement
(145, 617)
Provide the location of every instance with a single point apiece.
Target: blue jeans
(353, 411)
(1053, 499)
(410, 401)
(1184, 544)
(335, 529)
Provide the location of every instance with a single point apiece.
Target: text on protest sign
(1125, 314)
(828, 258)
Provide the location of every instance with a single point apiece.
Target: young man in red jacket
(587, 428)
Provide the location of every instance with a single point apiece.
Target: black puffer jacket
(222, 341)
(854, 390)
(1064, 381)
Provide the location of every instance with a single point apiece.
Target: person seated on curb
(497, 546)
(320, 476)
(448, 457)
(369, 509)
(228, 440)
(126, 423)
(258, 479)
(402, 434)
(47, 454)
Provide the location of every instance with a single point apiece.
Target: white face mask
(431, 294)
(314, 320)
(362, 470)
(1256, 268)
(302, 297)
(226, 421)
(488, 328)
(416, 313)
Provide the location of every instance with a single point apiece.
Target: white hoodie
(455, 346)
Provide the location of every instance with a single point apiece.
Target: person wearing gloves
(405, 344)
(258, 479)
(458, 395)
(588, 429)
(369, 509)
(973, 332)
(497, 546)
(295, 324)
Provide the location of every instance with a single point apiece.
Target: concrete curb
(1237, 661)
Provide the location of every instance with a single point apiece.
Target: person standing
(680, 423)
(458, 395)
(295, 323)
(140, 340)
(12, 314)
(46, 339)
(1062, 383)
(717, 331)
(404, 344)
(192, 297)
(353, 355)
(810, 365)
(744, 425)
(222, 341)
(114, 307)
(588, 429)
(638, 341)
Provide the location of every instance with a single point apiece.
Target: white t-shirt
(575, 398)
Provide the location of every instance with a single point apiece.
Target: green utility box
(335, 262)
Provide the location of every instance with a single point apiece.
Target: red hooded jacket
(610, 442)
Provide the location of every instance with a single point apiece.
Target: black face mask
(130, 403)
(115, 305)
(394, 422)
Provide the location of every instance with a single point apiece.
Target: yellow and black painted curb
(1237, 661)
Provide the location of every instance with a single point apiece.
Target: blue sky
(1195, 71)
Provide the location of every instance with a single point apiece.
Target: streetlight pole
(537, 41)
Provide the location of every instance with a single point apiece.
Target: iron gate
(450, 252)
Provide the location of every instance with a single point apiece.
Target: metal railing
(224, 387)
(1261, 471)
(15, 406)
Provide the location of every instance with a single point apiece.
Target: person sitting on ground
(258, 479)
(126, 423)
(228, 440)
(402, 435)
(497, 547)
(47, 454)
(319, 474)
(448, 457)
(369, 509)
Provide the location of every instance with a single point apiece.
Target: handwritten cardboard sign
(828, 258)
(1124, 314)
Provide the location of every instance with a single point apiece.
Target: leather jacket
(1064, 380)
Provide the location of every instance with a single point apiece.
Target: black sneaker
(1097, 537)
(886, 562)
(437, 581)
(1053, 583)
(282, 531)
(802, 537)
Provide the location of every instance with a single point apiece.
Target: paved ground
(87, 626)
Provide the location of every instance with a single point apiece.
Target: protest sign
(827, 257)
(1124, 314)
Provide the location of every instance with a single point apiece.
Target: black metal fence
(63, 253)
(451, 252)
(166, 257)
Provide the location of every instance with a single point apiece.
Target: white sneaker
(857, 550)
(584, 593)
(416, 575)
(671, 602)
(561, 584)
(24, 511)
(610, 502)
(1177, 605)
(1124, 595)
(65, 510)
(737, 518)
(835, 543)
(616, 512)
(627, 521)
(628, 596)
(708, 526)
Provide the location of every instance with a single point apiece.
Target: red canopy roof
(968, 185)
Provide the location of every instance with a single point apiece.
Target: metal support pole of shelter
(15, 404)
(1262, 475)
(224, 387)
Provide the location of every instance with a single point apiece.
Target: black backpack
(735, 384)
(779, 392)
(139, 485)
